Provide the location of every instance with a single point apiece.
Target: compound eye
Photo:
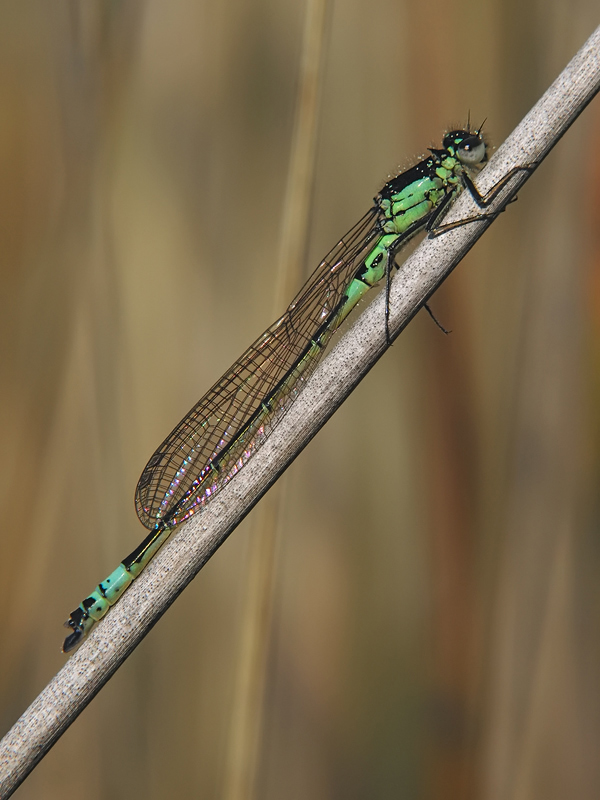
(471, 151)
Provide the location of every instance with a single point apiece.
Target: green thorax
(411, 201)
(410, 198)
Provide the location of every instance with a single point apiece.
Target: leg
(433, 317)
(450, 226)
(388, 279)
(439, 211)
(483, 201)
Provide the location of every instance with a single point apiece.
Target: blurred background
(436, 618)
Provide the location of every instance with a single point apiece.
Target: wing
(220, 433)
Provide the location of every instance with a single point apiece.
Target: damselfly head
(469, 148)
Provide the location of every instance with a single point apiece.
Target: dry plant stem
(246, 725)
(194, 543)
(300, 179)
(245, 730)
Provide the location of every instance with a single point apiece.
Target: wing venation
(221, 431)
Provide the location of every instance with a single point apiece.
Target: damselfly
(218, 436)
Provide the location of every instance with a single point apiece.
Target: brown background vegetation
(436, 629)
